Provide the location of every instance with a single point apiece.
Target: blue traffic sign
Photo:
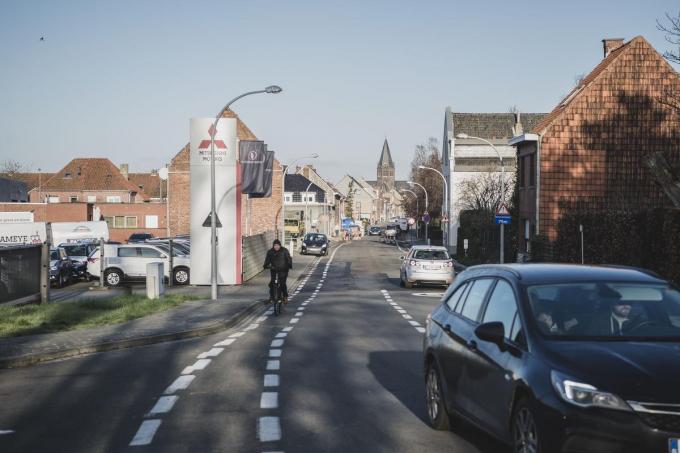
(504, 219)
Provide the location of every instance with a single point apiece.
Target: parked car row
(127, 262)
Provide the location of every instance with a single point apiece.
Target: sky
(121, 79)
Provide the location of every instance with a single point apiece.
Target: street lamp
(412, 183)
(417, 207)
(282, 237)
(273, 89)
(466, 136)
(446, 195)
(307, 216)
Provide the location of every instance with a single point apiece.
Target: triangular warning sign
(208, 222)
(503, 210)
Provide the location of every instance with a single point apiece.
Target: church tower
(385, 179)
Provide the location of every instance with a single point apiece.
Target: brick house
(258, 214)
(93, 189)
(592, 151)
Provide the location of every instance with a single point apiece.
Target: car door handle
(472, 345)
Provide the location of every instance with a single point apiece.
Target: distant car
(558, 358)
(374, 231)
(139, 237)
(78, 252)
(61, 270)
(426, 264)
(315, 243)
(128, 262)
(389, 234)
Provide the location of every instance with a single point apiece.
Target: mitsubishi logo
(205, 144)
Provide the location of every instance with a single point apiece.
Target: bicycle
(278, 300)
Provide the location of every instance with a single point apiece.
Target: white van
(128, 262)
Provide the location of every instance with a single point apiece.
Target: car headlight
(53, 268)
(585, 395)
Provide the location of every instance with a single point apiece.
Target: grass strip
(35, 319)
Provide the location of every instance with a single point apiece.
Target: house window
(72, 199)
(119, 222)
(131, 222)
(91, 198)
(288, 198)
(113, 199)
(309, 197)
(532, 170)
(297, 198)
(109, 222)
(151, 221)
(53, 199)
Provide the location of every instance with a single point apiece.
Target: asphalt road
(340, 370)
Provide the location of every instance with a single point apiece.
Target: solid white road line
(276, 343)
(226, 342)
(181, 383)
(273, 365)
(271, 380)
(269, 400)
(6, 431)
(145, 433)
(269, 429)
(214, 352)
(275, 353)
(164, 404)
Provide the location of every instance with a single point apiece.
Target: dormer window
(67, 175)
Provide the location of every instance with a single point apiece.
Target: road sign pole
(502, 243)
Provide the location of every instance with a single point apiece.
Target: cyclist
(279, 261)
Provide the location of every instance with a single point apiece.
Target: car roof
(536, 273)
(428, 247)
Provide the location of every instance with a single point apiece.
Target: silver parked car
(427, 264)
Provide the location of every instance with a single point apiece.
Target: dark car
(316, 243)
(139, 237)
(558, 358)
(61, 270)
(78, 254)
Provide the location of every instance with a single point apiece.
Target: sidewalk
(190, 319)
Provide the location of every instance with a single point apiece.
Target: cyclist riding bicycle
(279, 261)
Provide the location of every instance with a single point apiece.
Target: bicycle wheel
(277, 307)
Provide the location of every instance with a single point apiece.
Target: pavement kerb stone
(33, 359)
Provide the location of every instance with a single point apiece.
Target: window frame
(464, 286)
(484, 299)
(488, 301)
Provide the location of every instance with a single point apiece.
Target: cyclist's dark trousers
(282, 280)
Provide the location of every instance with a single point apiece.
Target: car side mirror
(493, 332)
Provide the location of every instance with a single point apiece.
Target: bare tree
(671, 28)
(483, 192)
(428, 155)
(9, 166)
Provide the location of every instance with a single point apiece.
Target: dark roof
(565, 273)
(298, 183)
(386, 156)
(399, 185)
(493, 125)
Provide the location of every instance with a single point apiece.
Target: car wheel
(434, 400)
(181, 276)
(60, 282)
(525, 435)
(408, 284)
(112, 277)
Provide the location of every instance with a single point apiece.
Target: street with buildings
(299, 271)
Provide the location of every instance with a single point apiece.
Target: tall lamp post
(446, 195)
(417, 207)
(466, 136)
(273, 89)
(282, 235)
(307, 216)
(412, 183)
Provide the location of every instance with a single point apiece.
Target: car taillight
(413, 262)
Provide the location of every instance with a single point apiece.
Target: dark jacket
(278, 261)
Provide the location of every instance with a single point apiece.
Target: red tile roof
(149, 183)
(90, 174)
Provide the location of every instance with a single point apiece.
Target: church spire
(386, 157)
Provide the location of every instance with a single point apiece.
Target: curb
(33, 359)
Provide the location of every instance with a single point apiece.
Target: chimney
(124, 169)
(517, 129)
(611, 45)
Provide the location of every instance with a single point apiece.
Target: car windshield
(432, 255)
(606, 311)
(315, 238)
(76, 250)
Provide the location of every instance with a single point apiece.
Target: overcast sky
(120, 79)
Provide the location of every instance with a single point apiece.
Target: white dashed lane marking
(269, 400)
(214, 352)
(273, 365)
(402, 312)
(271, 380)
(269, 429)
(181, 383)
(164, 404)
(199, 365)
(145, 433)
